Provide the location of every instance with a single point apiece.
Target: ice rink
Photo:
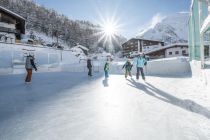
(72, 106)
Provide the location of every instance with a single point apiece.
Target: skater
(29, 65)
(140, 62)
(89, 66)
(128, 67)
(106, 69)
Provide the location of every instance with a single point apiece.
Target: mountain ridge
(171, 29)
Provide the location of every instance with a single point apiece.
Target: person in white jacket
(29, 65)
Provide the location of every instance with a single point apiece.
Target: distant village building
(80, 51)
(12, 26)
(172, 50)
(83, 48)
(136, 45)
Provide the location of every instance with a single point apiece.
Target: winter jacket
(89, 65)
(140, 62)
(30, 63)
(106, 66)
(128, 66)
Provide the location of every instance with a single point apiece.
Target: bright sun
(109, 29)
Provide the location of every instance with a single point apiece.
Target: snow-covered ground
(71, 106)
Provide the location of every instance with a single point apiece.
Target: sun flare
(109, 29)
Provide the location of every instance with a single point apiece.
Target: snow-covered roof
(12, 13)
(82, 47)
(140, 38)
(143, 39)
(166, 47)
(76, 49)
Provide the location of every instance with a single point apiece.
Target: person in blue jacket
(140, 62)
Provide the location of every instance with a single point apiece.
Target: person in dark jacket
(128, 67)
(89, 66)
(29, 65)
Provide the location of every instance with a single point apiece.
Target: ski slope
(71, 106)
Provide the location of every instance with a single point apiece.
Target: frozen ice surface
(72, 106)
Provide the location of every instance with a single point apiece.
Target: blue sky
(132, 15)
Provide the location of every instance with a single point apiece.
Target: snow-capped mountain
(172, 29)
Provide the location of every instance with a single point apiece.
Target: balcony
(6, 25)
(9, 30)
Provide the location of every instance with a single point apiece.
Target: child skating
(128, 67)
(29, 65)
(89, 66)
(140, 62)
(106, 69)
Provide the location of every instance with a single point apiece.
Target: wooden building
(135, 45)
(12, 25)
(83, 48)
(173, 50)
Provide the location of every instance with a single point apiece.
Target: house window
(184, 52)
(177, 52)
(170, 53)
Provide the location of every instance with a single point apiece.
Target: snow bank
(12, 59)
(163, 67)
(200, 74)
(170, 66)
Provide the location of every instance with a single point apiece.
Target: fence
(12, 59)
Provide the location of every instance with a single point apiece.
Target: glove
(35, 69)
